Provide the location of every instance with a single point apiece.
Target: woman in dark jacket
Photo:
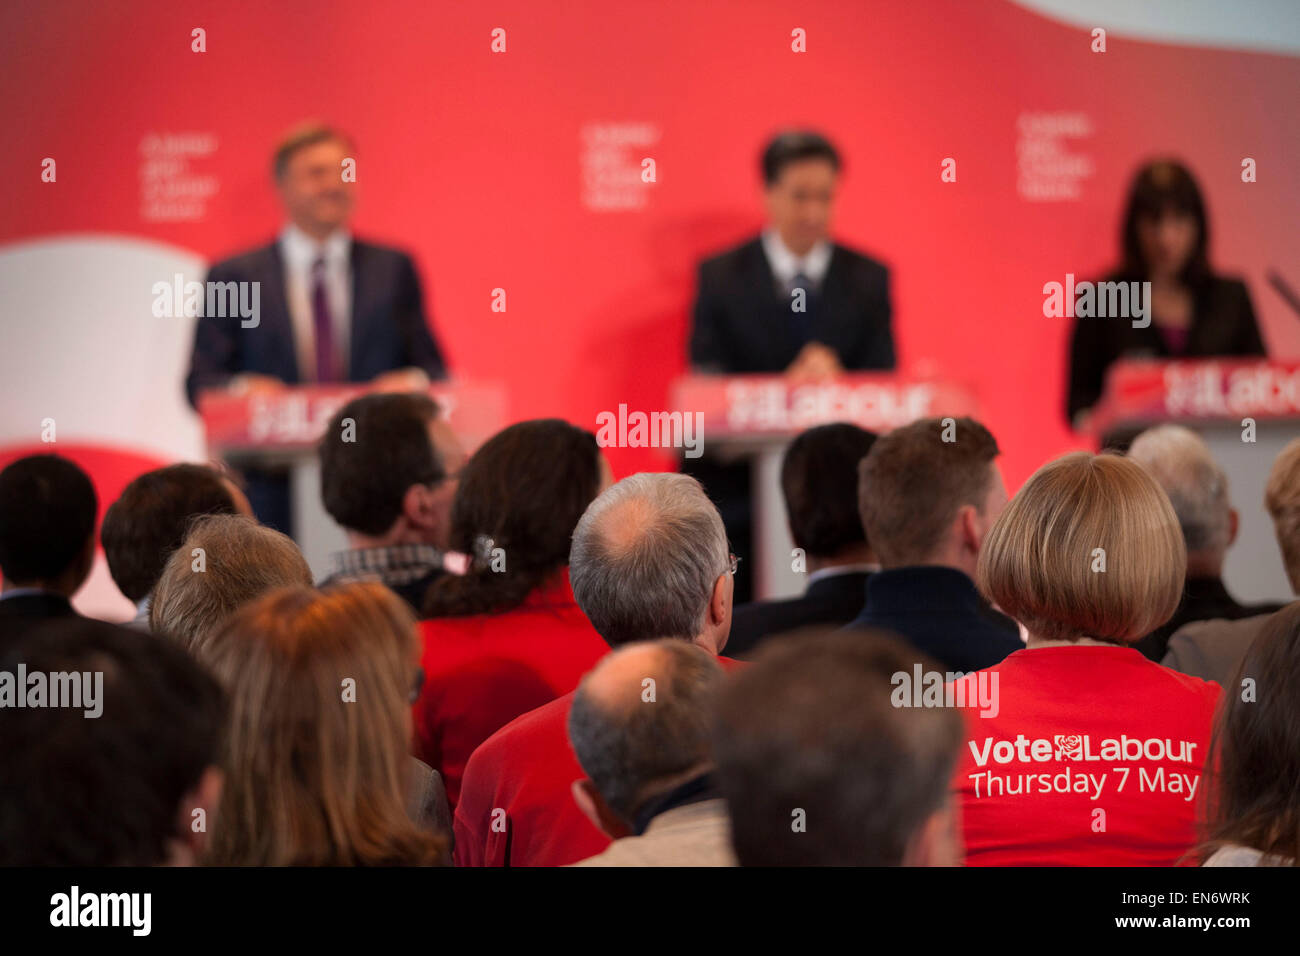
(1194, 312)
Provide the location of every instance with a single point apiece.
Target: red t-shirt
(516, 805)
(1095, 758)
(482, 672)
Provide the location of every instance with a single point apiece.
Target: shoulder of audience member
(861, 260)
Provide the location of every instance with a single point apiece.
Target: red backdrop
(473, 160)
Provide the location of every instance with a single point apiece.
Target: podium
(756, 417)
(1247, 410)
(281, 429)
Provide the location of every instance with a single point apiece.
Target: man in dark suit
(819, 478)
(332, 308)
(390, 487)
(929, 492)
(790, 300)
(47, 540)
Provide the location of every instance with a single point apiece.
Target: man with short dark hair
(928, 494)
(789, 301)
(48, 507)
(332, 308)
(792, 300)
(639, 725)
(126, 775)
(819, 478)
(149, 520)
(388, 477)
(819, 765)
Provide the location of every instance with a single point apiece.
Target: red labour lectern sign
(745, 406)
(1198, 390)
(292, 419)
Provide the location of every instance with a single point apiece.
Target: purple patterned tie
(326, 356)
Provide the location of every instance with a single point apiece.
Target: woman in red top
(507, 636)
(1079, 750)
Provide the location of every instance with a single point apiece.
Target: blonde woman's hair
(317, 757)
(224, 562)
(1090, 547)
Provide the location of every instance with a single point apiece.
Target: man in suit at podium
(332, 307)
(790, 300)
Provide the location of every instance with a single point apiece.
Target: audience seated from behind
(507, 637)
(1181, 463)
(819, 478)
(1256, 748)
(137, 783)
(649, 561)
(1212, 649)
(928, 493)
(317, 762)
(1079, 751)
(820, 768)
(639, 726)
(150, 519)
(388, 468)
(47, 540)
(225, 562)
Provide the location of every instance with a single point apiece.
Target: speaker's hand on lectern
(401, 380)
(815, 363)
(254, 383)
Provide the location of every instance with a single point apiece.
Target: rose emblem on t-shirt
(1069, 746)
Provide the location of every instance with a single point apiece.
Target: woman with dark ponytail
(507, 636)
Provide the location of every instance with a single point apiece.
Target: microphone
(1287, 293)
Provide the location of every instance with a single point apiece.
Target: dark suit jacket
(744, 324)
(23, 612)
(1204, 599)
(939, 611)
(388, 330)
(1223, 323)
(835, 599)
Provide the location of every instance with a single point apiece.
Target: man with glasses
(649, 561)
(388, 475)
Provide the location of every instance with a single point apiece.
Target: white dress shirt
(786, 265)
(837, 569)
(299, 252)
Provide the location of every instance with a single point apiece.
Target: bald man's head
(646, 561)
(640, 721)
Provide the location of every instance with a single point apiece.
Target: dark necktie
(802, 323)
(322, 325)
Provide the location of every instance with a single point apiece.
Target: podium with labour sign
(756, 417)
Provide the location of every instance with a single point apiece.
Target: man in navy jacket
(929, 493)
(791, 301)
(331, 308)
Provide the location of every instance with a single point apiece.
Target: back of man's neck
(932, 563)
(848, 558)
